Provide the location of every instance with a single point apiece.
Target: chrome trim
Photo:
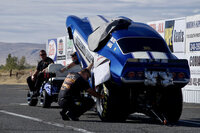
(185, 81)
(131, 81)
(142, 81)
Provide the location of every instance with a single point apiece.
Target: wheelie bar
(161, 117)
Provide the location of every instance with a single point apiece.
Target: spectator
(35, 81)
(74, 62)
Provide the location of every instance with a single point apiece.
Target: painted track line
(46, 122)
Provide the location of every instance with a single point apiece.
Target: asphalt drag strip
(46, 122)
(17, 117)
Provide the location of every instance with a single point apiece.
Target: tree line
(12, 62)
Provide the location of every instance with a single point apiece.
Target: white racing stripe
(159, 55)
(140, 55)
(144, 55)
(46, 122)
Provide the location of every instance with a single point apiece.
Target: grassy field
(18, 77)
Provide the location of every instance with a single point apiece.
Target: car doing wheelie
(133, 68)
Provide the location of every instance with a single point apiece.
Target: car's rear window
(128, 45)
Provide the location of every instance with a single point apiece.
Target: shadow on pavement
(193, 122)
(137, 119)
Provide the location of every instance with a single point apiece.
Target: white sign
(52, 49)
(193, 50)
(60, 50)
(69, 49)
(178, 36)
(61, 42)
(194, 63)
(193, 34)
(61, 46)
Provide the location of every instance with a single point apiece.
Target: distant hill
(29, 50)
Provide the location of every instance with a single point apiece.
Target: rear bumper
(161, 72)
(146, 82)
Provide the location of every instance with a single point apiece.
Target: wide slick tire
(114, 106)
(172, 104)
(45, 99)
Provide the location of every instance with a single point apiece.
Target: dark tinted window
(142, 44)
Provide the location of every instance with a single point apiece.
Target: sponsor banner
(194, 64)
(52, 49)
(173, 31)
(195, 46)
(178, 36)
(69, 49)
(193, 34)
(194, 84)
(61, 46)
(169, 27)
(60, 50)
(61, 56)
(159, 26)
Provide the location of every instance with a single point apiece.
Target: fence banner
(69, 49)
(52, 49)
(159, 26)
(178, 37)
(194, 63)
(169, 27)
(193, 34)
(61, 56)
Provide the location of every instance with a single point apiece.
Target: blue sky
(37, 20)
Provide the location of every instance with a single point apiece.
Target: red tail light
(181, 75)
(131, 75)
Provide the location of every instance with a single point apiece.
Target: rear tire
(32, 101)
(172, 104)
(113, 107)
(45, 99)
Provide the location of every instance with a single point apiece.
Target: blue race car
(133, 68)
